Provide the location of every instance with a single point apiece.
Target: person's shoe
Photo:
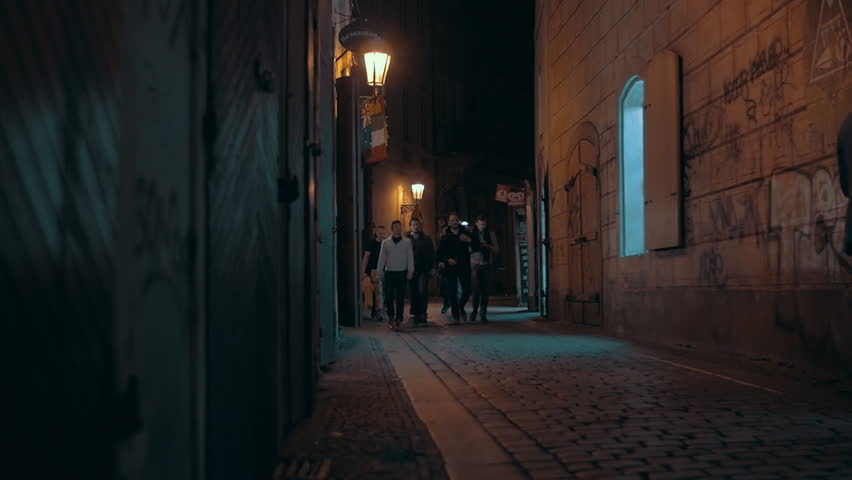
(464, 316)
(483, 318)
(473, 316)
(444, 309)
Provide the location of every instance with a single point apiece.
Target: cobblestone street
(576, 405)
(365, 427)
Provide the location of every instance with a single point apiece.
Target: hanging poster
(502, 193)
(374, 140)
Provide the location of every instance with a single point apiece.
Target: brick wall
(761, 269)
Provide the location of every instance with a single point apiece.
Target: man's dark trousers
(395, 283)
(419, 296)
(460, 274)
(481, 287)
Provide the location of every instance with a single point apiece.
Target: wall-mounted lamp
(376, 63)
(417, 191)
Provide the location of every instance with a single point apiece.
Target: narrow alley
(527, 398)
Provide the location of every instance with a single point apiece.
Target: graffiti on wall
(706, 131)
(828, 50)
(813, 208)
(174, 14)
(735, 216)
(757, 103)
(764, 61)
(832, 42)
(712, 268)
(762, 85)
(703, 130)
(162, 243)
(756, 123)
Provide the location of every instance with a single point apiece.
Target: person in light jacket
(483, 248)
(396, 264)
(371, 281)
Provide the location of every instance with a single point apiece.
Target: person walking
(442, 226)
(424, 269)
(483, 248)
(396, 265)
(371, 283)
(454, 259)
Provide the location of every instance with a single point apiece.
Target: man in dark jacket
(844, 162)
(424, 268)
(454, 259)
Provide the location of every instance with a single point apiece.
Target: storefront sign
(358, 35)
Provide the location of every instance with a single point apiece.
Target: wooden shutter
(663, 219)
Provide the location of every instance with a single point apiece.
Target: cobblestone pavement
(365, 426)
(585, 406)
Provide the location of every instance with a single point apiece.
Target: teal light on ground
(632, 168)
(520, 346)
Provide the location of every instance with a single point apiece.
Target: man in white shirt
(396, 264)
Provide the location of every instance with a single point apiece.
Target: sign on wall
(374, 140)
(517, 199)
(512, 196)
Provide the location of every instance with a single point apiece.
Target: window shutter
(663, 219)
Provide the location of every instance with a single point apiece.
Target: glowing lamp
(417, 190)
(376, 64)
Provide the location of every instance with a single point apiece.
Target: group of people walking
(402, 262)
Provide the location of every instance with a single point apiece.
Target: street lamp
(376, 63)
(362, 38)
(417, 191)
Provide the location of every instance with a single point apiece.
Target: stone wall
(760, 271)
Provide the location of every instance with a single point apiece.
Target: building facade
(163, 167)
(716, 217)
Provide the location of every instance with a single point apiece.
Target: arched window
(632, 167)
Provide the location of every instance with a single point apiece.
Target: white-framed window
(631, 132)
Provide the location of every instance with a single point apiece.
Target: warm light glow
(376, 64)
(417, 190)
